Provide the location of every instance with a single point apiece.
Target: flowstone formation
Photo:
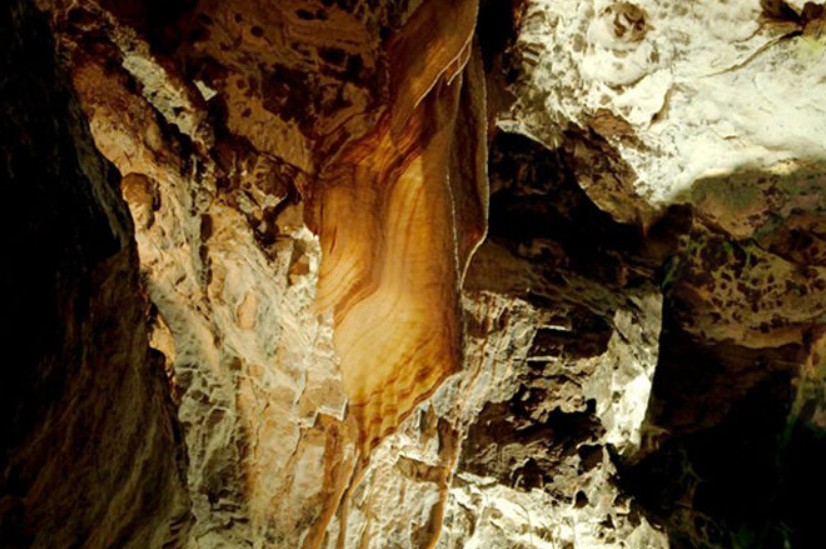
(483, 273)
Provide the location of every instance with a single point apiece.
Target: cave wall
(421, 274)
(92, 451)
(694, 122)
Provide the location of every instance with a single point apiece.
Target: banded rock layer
(399, 212)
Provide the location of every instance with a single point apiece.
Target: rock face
(416, 274)
(92, 453)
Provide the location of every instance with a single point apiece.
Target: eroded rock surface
(469, 274)
(91, 452)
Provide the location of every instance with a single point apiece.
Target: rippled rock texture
(483, 273)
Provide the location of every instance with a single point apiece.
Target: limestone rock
(430, 274)
(682, 92)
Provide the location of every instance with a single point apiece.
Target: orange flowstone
(398, 219)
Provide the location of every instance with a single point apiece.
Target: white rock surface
(707, 87)
(392, 502)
